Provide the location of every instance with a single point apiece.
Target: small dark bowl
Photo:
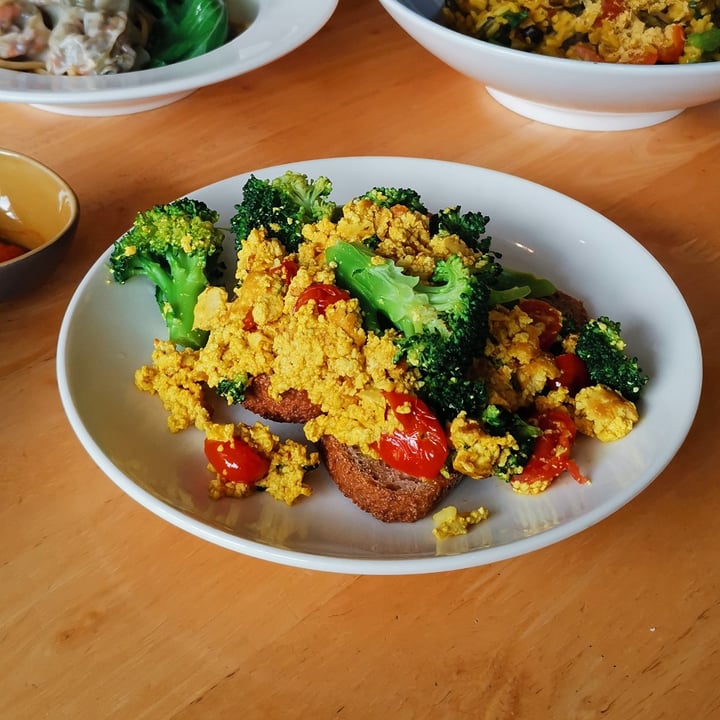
(39, 212)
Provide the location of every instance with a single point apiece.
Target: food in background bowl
(642, 32)
(270, 30)
(558, 90)
(38, 218)
(100, 37)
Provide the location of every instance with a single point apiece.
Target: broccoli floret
(442, 324)
(506, 285)
(282, 206)
(469, 227)
(389, 197)
(602, 348)
(177, 246)
(234, 390)
(498, 420)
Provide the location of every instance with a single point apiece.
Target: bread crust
(376, 488)
(569, 306)
(294, 406)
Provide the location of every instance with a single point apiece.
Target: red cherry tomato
(612, 8)
(580, 51)
(419, 448)
(676, 44)
(287, 269)
(236, 461)
(573, 373)
(551, 454)
(9, 250)
(323, 295)
(543, 313)
(577, 475)
(249, 324)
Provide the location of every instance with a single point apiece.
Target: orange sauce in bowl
(9, 250)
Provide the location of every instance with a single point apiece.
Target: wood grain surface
(107, 611)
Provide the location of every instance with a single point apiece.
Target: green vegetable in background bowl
(184, 29)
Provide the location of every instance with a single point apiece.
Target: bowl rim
(473, 44)
(64, 185)
(276, 28)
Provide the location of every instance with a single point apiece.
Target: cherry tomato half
(573, 373)
(419, 448)
(581, 51)
(671, 51)
(323, 295)
(287, 270)
(249, 324)
(551, 453)
(612, 8)
(543, 313)
(236, 461)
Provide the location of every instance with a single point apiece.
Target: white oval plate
(276, 27)
(108, 332)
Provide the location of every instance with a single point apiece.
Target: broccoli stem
(381, 287)
(177, 296)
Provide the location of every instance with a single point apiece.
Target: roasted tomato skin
(323, 295)
(551, 454)
(236, 461)
(287, 270)
(9, 250)
(420, 447)
(573, 373)
(543, 313)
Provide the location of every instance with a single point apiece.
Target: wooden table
(106, 611)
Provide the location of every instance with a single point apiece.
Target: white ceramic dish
(567, 93)
(108, 331)
(275, 28)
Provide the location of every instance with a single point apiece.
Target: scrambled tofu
(179, 383)
(450, 522)
(174, 379)
(604, 414)
(476, 452)
(262, 330)
(269, 327)
(531, 488)
(632, 31)
(515, 368)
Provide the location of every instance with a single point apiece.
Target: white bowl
(274, 28)
(568, 93)
(38, 211)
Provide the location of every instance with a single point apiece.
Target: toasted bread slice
(376, 488)
(372, 485)
(569, 306)
(294, 406)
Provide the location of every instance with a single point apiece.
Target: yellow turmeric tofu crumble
(440, 365)
(449, 522)
(643, 32)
